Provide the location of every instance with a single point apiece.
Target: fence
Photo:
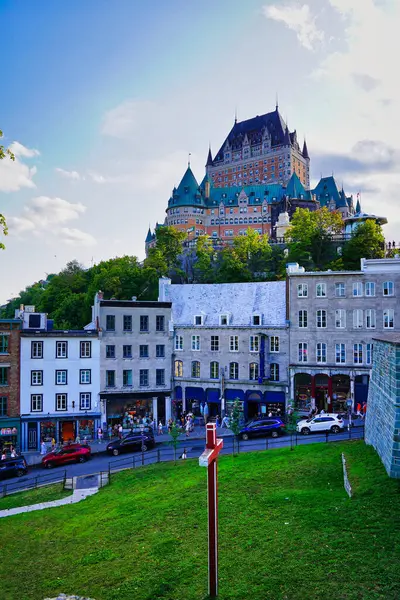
(195, 448)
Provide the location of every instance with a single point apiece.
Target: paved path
(76, 496)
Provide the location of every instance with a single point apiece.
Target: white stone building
(230, 341)
(59, 382)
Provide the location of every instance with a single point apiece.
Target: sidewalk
(34, 458)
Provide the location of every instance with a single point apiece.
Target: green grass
(47, 493)
(288, 531)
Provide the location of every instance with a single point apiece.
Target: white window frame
(389, 287)
(256, 317)
(370, 318)
(254, 371)
(320, 290)
(274, 344)
(302, 290)
(214, 369)
(234, 343)
(388, 317)
(61, 402)
(236, 370)
(224, 320)
(357, 289)
(340, 286)
(370, 289)
(274, 372)
(36, 377)
(303, 320)
(85, 349)
(60, 346)
(61, 374)
(340, 317)
(179, 343)
(214, 343)
(321, 353)
(37, 346)
(321, 315)
(358, 318)
(302, 349)
(85, 405)
(195, 343)
(38, 399)
(198, 318)
(254, 343)
(82, 377)
(340, 346)
(358, 354)
(368, 353)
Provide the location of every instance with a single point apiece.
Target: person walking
(187, 427)
(160, 428)
(184, 455)
(120, 432)
(43, 448)
(53, 444)
(100, 434)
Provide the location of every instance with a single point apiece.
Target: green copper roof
(188, 191)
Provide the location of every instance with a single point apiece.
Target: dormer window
(224, 320)
(198, 319)
(256, 319)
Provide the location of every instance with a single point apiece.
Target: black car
(262, 427)
(13, 467)
(136, 440)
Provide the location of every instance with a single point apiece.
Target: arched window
(233, 370)
(253, 371)
(195, 369)
(274, 373)
(214, 370)
(178, 368)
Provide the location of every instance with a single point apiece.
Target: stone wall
(382, 425)
(11, 361)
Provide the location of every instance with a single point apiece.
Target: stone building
(60, 382)
(334, 317)
(230, 341)
(10, 331)
(135, 358)
(382, 423)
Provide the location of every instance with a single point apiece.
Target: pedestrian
(184, 455)
(169, 425)
(188, 427)
(53, 444)
(77, 439)
(269, 414)
(160, 428)
(13, 452)
(217, 423)
(322, 412)
(100, 434)
(120, 432)
(225, 421)
(364, 409)
(43, 448)
(358, 408)
(3, 455)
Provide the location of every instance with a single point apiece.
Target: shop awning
(213, 395)
(193, 393)
(272, 397)
(178, 392)
(234, 394)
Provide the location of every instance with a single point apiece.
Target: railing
(232, 445)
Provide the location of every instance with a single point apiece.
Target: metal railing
(12, 487)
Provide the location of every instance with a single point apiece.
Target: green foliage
(309, 237)
(366, 242)
(286, 530)
(235, 417)
(174, 434)
(248, 259)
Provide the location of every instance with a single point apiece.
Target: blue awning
(254, 396)
(213, 395)
(193, 393)
(234, 394)
(178, 393)
(274, 397)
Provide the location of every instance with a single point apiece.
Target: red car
(67, 454)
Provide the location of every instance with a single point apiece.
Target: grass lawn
(288, 531)
(47, 493)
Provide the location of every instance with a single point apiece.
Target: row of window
(127, 351)
(85, 349)
(358, 289)
(61, 377)
(127, 378)
(361, 318)
(61, 402)
(254, 343)
(214, 372)
(143, 323)
(362, 353)
(241, 221)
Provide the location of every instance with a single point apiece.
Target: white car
(325, 422)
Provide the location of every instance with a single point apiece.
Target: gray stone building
(334, 317)
(382, 423)
(135, 358)
(230, 341)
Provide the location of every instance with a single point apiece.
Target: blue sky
(103, 101)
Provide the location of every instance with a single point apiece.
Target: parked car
(136, 440)
(326, 422)
(262, 427)
(67, 454)
(13, 467)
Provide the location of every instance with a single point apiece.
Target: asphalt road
(162, 452)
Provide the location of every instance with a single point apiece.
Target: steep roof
(295, 189)
(188, 191)
(149, 236)
(305, 150)
(209, 158)
(358, 206)
(241, 300)
(254, 128)
(326, 190)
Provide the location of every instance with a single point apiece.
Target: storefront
(302, 391)
(340, 393)
(124, 409)
(230, 397)
(195, 398)
(10, 433)
(61, 429)
(214, 402)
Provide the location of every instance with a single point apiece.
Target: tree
(174, 433)
(310, 237)
(4, 153)
(367, 241)
(204, 268)
(246, 260)
(235, 422)
(164, 257)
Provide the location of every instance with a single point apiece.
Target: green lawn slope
(287, 531)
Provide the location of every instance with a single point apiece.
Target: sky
(102, 102)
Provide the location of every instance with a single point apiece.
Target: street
(164, 452)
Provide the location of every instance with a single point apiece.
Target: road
(163, 452)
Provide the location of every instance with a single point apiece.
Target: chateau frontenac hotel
(259, 173)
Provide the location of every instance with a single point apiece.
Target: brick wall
(12, 361)
(382, 425)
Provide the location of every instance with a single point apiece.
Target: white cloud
(299, 19)
(76, 237)
(15, 174)
(124, 119)
(68, 174)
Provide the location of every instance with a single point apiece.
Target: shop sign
(8, 431)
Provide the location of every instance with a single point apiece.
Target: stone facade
(382, 425)
(334, 317)
(10, 331)
(135, 358)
